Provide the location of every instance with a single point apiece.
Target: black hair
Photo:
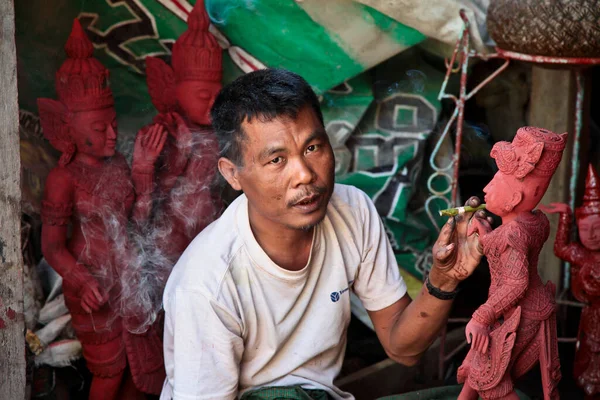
(265, 94)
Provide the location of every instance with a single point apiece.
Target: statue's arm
(57, 211)
(512, 288)
(177, 153)
(563, 247)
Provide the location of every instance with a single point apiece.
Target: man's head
(274, 147)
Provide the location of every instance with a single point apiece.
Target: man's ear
(229, 170)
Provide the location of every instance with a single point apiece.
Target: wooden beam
(12, 342)
(552, 107)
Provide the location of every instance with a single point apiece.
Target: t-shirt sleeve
(207, 347)
(378, 283)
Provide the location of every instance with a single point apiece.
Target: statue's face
(589, 231)
(95, 132)
(196, 99)
(498, 194)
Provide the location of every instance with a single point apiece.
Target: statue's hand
(148, 145)
(91, 297)
(175, 125)
(457, 251)
(555, 208)
(478, 336)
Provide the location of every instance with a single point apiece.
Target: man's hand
(478, 336)
(457, 251)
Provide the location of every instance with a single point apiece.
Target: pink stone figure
(584, 257)
(516, 327)
(183, 94)
(88, 200)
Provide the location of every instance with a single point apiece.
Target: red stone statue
(516, 327)
(585, 277)
(183, 94)
(91, 192)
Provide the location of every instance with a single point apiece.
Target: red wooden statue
(585, 277)
(516, 327)
(183, 94)
(92, 192)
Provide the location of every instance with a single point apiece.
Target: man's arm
(203, 347)
(407, 328)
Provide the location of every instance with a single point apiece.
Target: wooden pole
(552, 107)
(12, 341)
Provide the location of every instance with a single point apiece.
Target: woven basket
(559, 28)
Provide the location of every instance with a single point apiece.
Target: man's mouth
(309, 203)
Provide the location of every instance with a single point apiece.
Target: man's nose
(303, 173)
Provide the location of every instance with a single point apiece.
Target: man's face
(288, 170)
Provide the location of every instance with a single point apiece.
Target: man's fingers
(473, 201)
(480, 226)
(469, 336)
(446, 232)
(486, 343)
(445, 252)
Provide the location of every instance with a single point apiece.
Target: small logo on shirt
(335, 296)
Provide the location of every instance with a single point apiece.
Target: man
(260, 298)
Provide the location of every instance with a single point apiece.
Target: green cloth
(438, 393)
(297, 393)
(286, 393)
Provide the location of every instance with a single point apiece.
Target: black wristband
(438, 293)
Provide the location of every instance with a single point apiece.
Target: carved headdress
(81, 85)
(196, 54)
(533, 150)
(591, 197)
(196, 57)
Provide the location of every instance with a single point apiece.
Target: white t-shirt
(236, 321)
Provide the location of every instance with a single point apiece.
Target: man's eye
(312, 147)
(276, 160)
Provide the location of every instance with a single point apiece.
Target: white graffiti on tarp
(119, 35)
(181, 8)
(406, 115)
(403, 122)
